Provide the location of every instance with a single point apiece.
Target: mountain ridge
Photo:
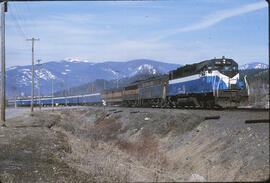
(67, 74)
(254, 65)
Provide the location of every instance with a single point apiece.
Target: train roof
(55, 98)
(112, 90)
(159, 77)
(214, 61)
(137, 82)
(194, 68)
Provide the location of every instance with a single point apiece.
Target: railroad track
(249, 109)
(221, 109)
(198, 108)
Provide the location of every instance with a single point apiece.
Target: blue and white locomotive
(209, 83)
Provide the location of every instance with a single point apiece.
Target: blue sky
(183, 31)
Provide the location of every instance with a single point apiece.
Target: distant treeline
(101, 84)
(258, 80)
(255, 74)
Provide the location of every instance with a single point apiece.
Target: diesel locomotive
(207, 84)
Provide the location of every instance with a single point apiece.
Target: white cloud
(216, 18)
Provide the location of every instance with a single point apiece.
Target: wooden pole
(52, 96)
(39, 84)
(3, 63)
(32, 93)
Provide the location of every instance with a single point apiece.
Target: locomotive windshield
(227, 68)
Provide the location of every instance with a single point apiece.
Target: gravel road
(12, 112)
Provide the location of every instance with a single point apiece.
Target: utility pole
(15, 96)
(3, 63)
(65, 86)
(117, 79)
(52, 95)
(39, 83)
(14, 88)
(61, 85)
(32, 96)
(92, 87)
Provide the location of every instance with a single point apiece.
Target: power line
(20, 15)
(30, 12)
(18, 26)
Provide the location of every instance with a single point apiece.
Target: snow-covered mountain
(143, 69)
(75, 60)
(74, 72)
(254, 65)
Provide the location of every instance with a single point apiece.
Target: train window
(234, 68)
(217, 62)
(226, 68)
(209, 67)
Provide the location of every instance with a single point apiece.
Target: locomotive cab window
(227, 68)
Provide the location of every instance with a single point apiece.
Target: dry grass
(89, 154)
(98, 160)
(121, 148)
(94, 148)
(105, 129)
(145, 149)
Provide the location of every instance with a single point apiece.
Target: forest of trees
(258, 80)
(101, 84)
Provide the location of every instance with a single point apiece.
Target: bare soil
(134, 144)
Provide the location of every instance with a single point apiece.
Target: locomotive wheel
(173, 105)
(209, 104)
(202, 104)
(181, 106)
(162, 103)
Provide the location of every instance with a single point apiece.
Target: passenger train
(70, 100)
(208, 84)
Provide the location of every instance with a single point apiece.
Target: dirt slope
(122, 144)
(31, 152)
